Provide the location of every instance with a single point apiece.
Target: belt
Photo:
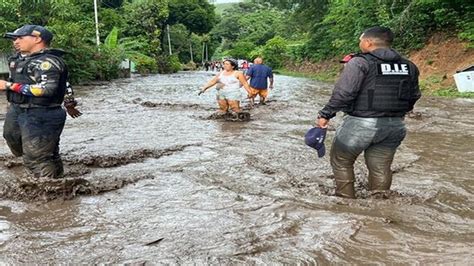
(30, 105)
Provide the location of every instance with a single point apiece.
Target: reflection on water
(209, 191)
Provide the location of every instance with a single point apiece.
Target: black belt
(30, 105)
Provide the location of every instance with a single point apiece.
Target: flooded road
(164, 184)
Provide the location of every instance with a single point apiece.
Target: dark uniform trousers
(378, 138)
(34, 134)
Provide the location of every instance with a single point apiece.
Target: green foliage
(132, 29)
(467, 32)
(168, 64)
(106, 64)
(246, 26)
(146, 65)
(333, 27)
(329, 75)
(197, 15)
(190, 21)
(432, 86)
(146, 19)
(220, 8)
(242, 49)
(127, 47)
(452, 92)
(111, 41)
(110, 18)
(80, 59)
(274, 52)
(180, 40)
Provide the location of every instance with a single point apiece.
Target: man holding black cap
(376, 89)
(35, 92)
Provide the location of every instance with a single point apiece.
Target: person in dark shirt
(35, 92)
(258, 74)
(376, 89)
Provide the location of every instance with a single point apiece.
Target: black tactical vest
(388, 87)
(19, 68)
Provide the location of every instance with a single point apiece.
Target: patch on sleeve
(45, 65)
(36, 90)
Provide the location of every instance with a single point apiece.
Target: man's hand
(71, 109)
(322, 122)
(3, 85)
(73, 112)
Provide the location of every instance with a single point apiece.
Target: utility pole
(169, 39)
(203, 53)
(96, 23)
(191, 51)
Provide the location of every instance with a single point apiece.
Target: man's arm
(345, 91)
(46, 75)
(416, 89)
(70, 103)
(249, 74)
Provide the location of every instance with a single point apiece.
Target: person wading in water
(228, 90)
(376, 89)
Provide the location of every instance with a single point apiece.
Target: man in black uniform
(376, 89)
(35, 92)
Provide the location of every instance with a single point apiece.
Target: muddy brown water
(159, 182)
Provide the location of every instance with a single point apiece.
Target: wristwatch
(8, 85)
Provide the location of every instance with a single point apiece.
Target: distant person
(245, 67)
(258, 75)
(35, 92)
(376, 89)
(229, 93)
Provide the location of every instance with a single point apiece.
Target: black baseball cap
(31, 30)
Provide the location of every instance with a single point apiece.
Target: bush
(107, 64)
(242, 49)
(146, 65)
(168, 64)
(274, 52)
(190, 66)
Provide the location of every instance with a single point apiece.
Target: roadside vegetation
(298, 37)
(132, 29)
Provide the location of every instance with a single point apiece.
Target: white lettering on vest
(394, 69)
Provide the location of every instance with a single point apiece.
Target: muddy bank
(75, 182)
(156, 181)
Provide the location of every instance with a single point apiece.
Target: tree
(146, 18)
(197, 15)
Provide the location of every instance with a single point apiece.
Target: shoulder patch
(45, 65)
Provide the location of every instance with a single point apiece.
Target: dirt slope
(440, 58)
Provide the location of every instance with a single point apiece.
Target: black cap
(31, 30)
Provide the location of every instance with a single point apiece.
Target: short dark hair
(384, 34)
